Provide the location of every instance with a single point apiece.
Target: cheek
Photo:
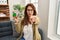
(32, 12)
(27, 12)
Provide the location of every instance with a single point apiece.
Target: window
(58, 29)
(58, 20)
(54, 20)
(35, 2)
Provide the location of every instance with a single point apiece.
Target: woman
(28, 27)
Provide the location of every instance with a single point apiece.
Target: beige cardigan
(36, 35)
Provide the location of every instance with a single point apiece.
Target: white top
(28, 32)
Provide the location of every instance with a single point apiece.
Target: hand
(15, 19)
(32, 19)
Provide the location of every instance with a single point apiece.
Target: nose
(29, 11)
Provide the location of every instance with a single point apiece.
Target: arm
(38, 36)
(18, 25)
(37, 21)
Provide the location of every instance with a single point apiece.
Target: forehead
(29, 7)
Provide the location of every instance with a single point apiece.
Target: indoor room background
(42, 9)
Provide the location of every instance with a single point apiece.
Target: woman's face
(30, 11)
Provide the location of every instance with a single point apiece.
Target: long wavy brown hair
(26, 18)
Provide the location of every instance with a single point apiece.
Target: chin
(29, 15)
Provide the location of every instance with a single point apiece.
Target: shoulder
(37, 18)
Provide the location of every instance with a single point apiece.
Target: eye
(29, 9)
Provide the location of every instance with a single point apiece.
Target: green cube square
(14, 14)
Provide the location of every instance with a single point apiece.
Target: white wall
(43, 14)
